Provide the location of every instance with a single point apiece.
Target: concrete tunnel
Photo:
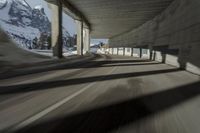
(168, 29)
(148, 81)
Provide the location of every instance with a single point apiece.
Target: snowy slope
(15, 20)
(25, 24)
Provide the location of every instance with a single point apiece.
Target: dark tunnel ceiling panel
(109, 18)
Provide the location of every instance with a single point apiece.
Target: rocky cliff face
(3, 3)
(21, 14)
(16, 21)
(40, 20)
(24, 23)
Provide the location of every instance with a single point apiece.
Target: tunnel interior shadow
(22, 88)
(112, 117)
(82, 64)
(183, 55)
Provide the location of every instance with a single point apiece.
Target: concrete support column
(163, 54)
(112, 51)
(140, 52)
(86, 40)
(154, 55)
(124, 51)
(132, 49)
(79, 26)
(56, 29)
(117, 51)
(150, 53)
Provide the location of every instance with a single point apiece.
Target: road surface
(110, 95)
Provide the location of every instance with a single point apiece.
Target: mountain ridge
(24, 24)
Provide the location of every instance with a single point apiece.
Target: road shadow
(22, 88)
(67, 65)
(109, 118)
(28, 69)
(135, 64)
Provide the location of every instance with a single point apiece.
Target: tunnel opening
(28, 24)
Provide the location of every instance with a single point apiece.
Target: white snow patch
(39, 7)
(2, 3)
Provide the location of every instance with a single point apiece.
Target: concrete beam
(72, 11)
(78, 15)
(56, 29)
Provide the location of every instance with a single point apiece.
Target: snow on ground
(102, 51)
(68, 52)
(20, 34)
(3, 2)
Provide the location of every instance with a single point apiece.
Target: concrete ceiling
(109, 18)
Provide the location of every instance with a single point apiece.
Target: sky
(68, 22)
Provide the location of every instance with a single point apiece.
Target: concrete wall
(174, 34)
(121, 51)
(128, 52)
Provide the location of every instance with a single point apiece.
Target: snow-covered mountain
(24, 24)
(40, 20)
(16, 20)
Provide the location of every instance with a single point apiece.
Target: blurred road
(116, 94)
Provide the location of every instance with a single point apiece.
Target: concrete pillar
(124, 51)
(163, 54)
(56, 29)
(86, 40)
(117, 51)
(112, 51)
(154, 55)
(150, 54)
(79, 26)
(140, 52)
(132, 49)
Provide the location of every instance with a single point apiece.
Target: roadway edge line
(39, 115)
